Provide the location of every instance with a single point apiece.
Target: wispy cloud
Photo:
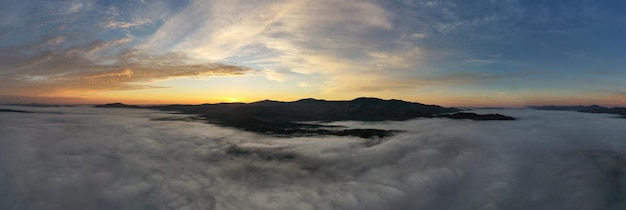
(325, 38)
(379, 42)
(75, 69)
(373, 84)
(119, 24)
(87, 46)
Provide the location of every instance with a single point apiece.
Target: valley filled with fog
(98, 158)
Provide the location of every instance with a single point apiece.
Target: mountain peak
(367, 99)
(309, 100)
(117, 105)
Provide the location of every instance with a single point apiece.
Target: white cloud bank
(88, 158)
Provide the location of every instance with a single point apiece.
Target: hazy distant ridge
(588, 109)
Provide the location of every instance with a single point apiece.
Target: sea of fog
(97, 158)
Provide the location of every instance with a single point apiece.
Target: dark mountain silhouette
(288, 118)
(14, 110)
(474, 116)
(119, 105)
(39, 105)
(23, 111)
(568, 108)
(587, 109)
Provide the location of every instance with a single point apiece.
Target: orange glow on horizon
(145, 98)
(248, 94)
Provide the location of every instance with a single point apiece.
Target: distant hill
(478, 117)
(14, 110)
(120, 105)
(568, 108)
(587, 109)
(276, 117)
(39, 105)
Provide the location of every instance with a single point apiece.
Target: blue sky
(461, 53)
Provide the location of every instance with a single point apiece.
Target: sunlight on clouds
(123, 73)
(117, 24)
(231, 99)
(304, 84)
(217, 30)
(198, 91)
(302, 37)
(274, 75)
(75, 71)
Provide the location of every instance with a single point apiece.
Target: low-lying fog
(95, 158)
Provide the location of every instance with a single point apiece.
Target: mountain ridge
(287, 118)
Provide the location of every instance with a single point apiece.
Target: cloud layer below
(88, 158)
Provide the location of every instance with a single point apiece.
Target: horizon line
(309, 98)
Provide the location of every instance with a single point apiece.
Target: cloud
(399, 82)
(291, 41)
(479, 61)
(118, 24)
(304, 84)
(99, 45)
(52, 41)
(120, 158)
(48, 47)
(322, 38)
(383, 42)
(90, 68)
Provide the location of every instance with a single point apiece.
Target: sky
(452, 53)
